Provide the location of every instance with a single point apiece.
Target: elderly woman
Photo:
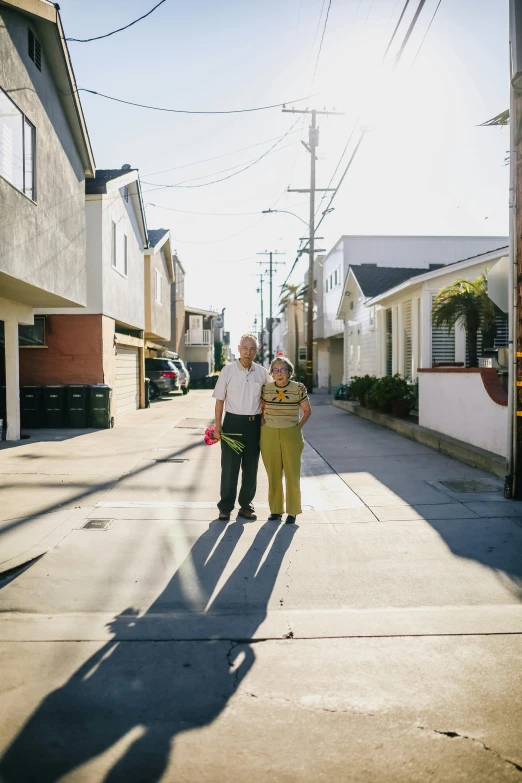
(286, 409)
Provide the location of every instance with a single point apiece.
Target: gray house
(45, 157)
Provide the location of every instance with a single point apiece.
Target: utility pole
(513, 484)
(313, 143)
(260, 291)
(271, 266)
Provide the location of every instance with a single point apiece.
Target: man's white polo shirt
(241, 388)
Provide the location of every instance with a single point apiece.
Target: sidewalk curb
(451, 447)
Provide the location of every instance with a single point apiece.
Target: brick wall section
(489, 377)
(74, 352)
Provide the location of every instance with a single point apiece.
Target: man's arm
(220, 404)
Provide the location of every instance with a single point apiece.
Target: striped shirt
(282, 403)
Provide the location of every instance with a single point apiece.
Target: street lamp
(286, 212)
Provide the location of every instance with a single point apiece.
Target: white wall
(417, 252)
(360, 336)
(457, 404)
(330, 301)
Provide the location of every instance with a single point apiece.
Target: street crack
(456, 735)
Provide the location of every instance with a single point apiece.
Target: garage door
(127, 386)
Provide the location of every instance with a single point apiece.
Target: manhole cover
(196, 424)
(98, 524)
(470, 486)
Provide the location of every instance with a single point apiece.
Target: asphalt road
(379, 639)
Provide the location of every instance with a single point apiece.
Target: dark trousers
(249, 429)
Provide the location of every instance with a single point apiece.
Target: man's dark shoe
(224, 517)
(275, 517)
(290, 520)
(247, 513)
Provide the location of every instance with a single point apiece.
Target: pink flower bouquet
(236, 445)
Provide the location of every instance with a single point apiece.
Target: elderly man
(238, 393)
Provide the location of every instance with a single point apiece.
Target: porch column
(395, 339)
(12, 379)
(460, 344)
(400, 339)
(425, 329)
(415, 335)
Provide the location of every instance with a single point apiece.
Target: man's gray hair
(250, 336)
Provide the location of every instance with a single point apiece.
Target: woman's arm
(306, 412)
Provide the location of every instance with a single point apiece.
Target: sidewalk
(380, 639)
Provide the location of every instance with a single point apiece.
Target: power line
(119, 30)
(216, 214)
(222, 179)
(426, 33)
(395, 31)
(410, 30)
(322, 39)
(189, 111)
(216, 157)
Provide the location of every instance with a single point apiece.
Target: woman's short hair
(282, 360)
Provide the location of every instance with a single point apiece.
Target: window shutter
(389, 342)
(407, 342)
(35, 49)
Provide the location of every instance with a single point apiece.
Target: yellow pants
(281, 449)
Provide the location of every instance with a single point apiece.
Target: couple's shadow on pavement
(156, 689)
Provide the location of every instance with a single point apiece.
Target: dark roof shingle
(99, 183)
(155, 234)
(375, 280)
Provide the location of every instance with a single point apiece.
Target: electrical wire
(222, 179)
(190, 111)
(426, 33)
(215, 214)
(322, 39)
(363, 131)
(406, 4)
(216, 157)
(119, 30)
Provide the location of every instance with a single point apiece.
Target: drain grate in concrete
(470, 486)
(98, 524)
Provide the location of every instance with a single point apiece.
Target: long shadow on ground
(157, 690)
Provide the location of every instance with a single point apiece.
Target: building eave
(492, 255)
(47, 22)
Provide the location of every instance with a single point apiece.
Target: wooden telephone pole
(313, 143)
(271, 266)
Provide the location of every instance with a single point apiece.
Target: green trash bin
(31, 407)
(54, 406)
(100, 396)
(77, 405)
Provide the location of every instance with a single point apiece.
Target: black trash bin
(31, 408)
(147, 392)
(77, 405)
(54, 406)
(100, 396)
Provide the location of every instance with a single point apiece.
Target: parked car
(184, 375)
(163, 377)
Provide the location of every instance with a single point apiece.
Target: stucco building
(45, 158)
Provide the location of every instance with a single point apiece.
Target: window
(336, 277)
(302, 354)
(326, 286)
(32, 336)
(372, 318)
(407, 337)
(125, 255)
(113, 244)
(17, 147)
(158, 287)
(34, 49)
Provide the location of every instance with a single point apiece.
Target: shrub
(391, 390)
(360, 385)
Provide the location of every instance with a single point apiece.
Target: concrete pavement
(379, 639)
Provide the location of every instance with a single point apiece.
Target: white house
(404, 337)
(416, 253)
(104, 341)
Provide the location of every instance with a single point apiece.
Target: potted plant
(360, 386)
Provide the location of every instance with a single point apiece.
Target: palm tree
(466, 302)
(290, 296)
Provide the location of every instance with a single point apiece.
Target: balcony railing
(198, 337)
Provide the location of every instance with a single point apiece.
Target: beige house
(159, 277)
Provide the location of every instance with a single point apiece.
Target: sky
(424, 166)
